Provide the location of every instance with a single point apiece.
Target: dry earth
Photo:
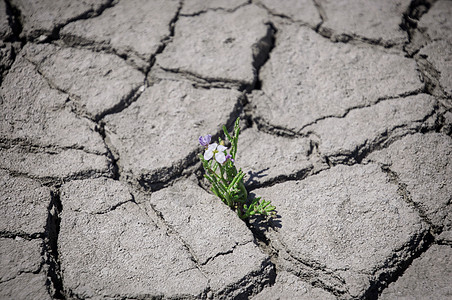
(346, 108)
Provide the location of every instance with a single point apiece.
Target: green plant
(227, 182)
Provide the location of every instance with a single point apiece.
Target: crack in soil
(54, 284)
(22, 235)
(298, 175)
(219, 254)
(381, 279)
(130, 56)
(165, 40)
(264, 126)
(73, 100)
(380, 142)
(330, 34)
(55, 33)
(50, 181)
(357, 156)
(431, 77)
(207, 82)
(55, 150)
(355, 39)
(99, 127)
(416, 38)
(315, 274)
(320, 276)
(161, 223)
(190, 163)
(253, 289)
(228, 10)
(321, 12)
(12, 44)
(30, 147)
(357, 107)
(405, 194)
(78, 108)
(112, 156)
(286, 17)
(269, 128)
(444, 242)
(114, 207)
(14, 21)
(124, 103)
(260, 52)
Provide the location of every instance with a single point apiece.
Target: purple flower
(205, 140)
(229, 156)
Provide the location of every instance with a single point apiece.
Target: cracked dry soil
(346, 115)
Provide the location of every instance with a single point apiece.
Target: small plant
(227, 183)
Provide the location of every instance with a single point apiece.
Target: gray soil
(346, 114)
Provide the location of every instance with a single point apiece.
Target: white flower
(217, 151)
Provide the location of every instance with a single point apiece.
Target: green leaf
(226, 134)
(209, 178)
(236, 179)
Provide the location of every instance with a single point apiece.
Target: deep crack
(261, 53)
(112, 156)
(167, 39)
(417, 39)
(12, 44)
(55, 282)
(415, 11)
(124, 103)
(15, 22)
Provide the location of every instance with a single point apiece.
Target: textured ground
(346, 109)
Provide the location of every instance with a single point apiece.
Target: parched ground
(346, 111)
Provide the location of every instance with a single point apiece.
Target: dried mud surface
(346, 116)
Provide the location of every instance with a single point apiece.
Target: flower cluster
(214, 150)
(227, 182)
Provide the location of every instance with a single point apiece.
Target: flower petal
(201, 141)
(220, 157)
(208, 154)
(221, 148)
(212, 146)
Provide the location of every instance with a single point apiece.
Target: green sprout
(227, 183)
